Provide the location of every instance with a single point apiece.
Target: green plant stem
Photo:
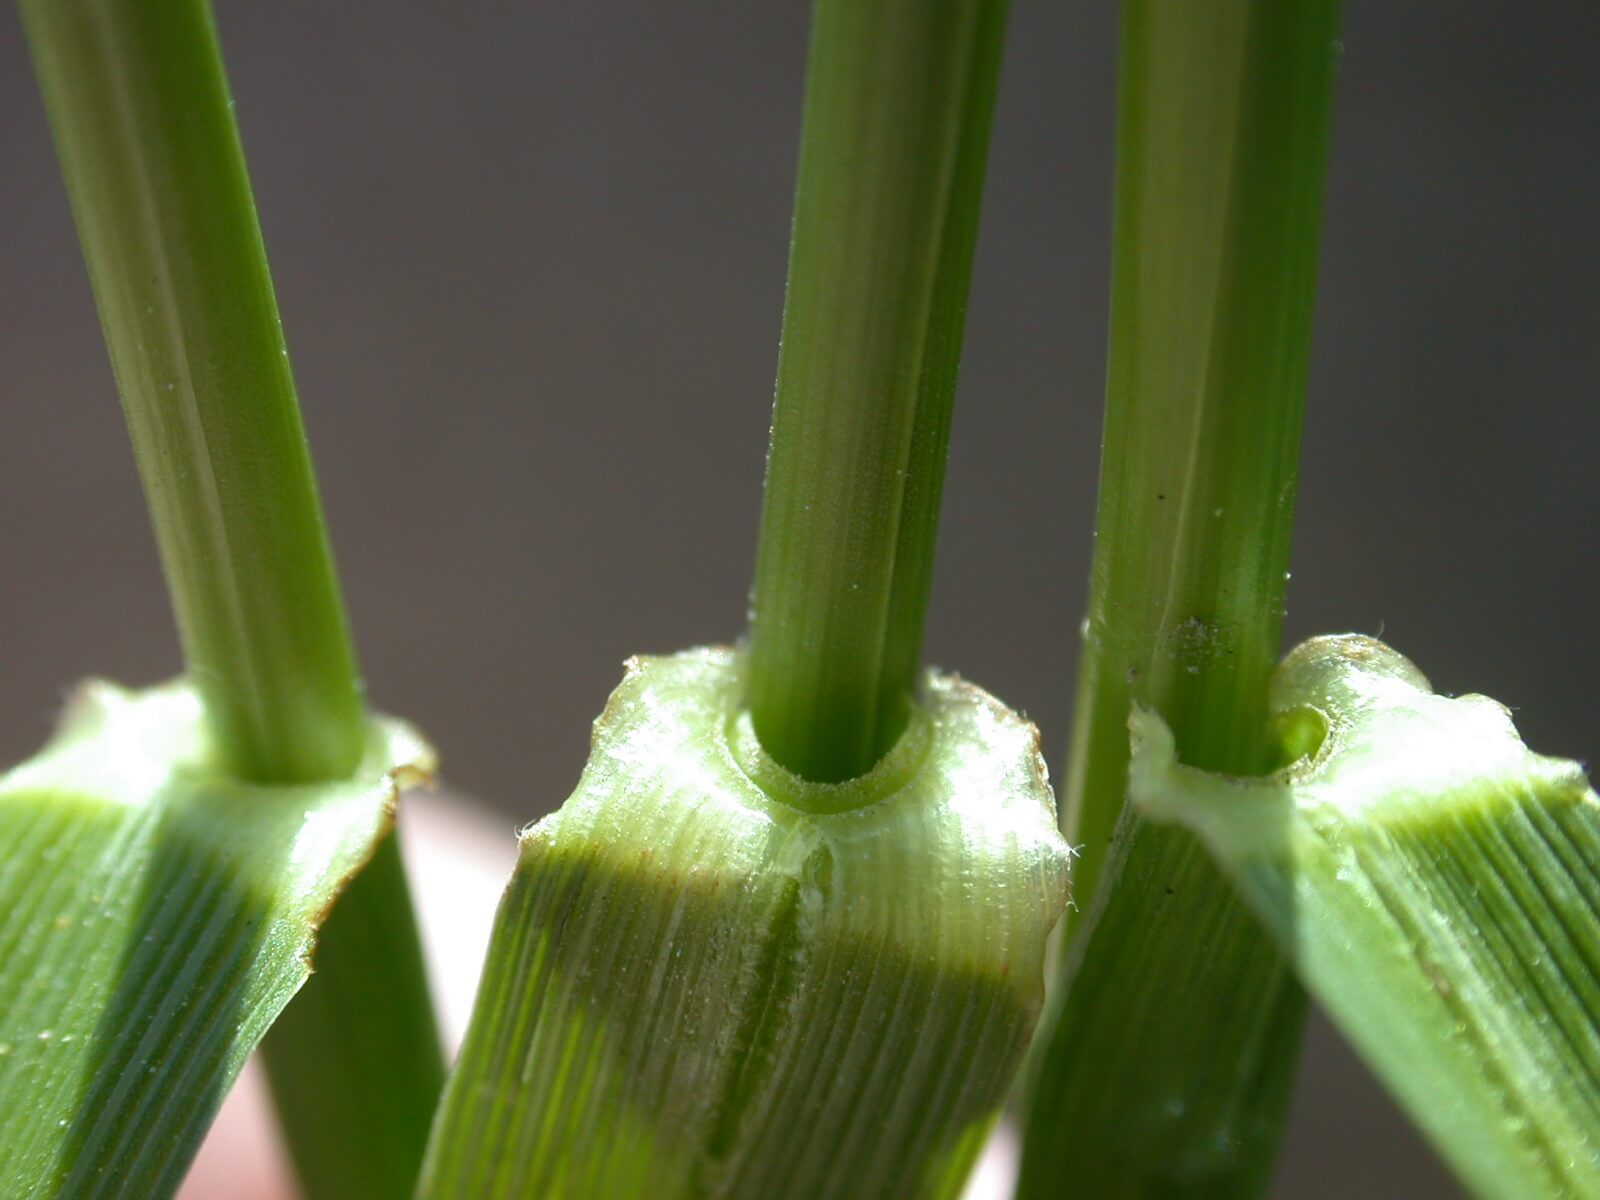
(139, 106)
(357, 1124)
(1169, 987)
(144, 127)
(899, 96)
(1221, 154)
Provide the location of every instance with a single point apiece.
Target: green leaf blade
(154, 919)
(1435, 886)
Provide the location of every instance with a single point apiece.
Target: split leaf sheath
(712, 979)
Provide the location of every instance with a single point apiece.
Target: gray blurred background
(531, 263)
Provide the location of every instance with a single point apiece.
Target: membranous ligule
(709, 978)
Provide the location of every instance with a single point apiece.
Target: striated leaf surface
(1437, 885)
(711, 979)
(155, 916)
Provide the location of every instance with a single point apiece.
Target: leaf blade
(1432, 880)
(153, 922)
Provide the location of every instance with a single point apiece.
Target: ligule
(710, 978)
(1433, 881)
(155, 917)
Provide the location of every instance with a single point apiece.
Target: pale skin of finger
(241, 1158)
(458, 855)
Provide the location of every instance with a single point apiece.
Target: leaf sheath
(1434, 883)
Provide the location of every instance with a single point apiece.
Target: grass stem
(144, 128)
(143, 122)
(1169, 987)
(899, 97)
